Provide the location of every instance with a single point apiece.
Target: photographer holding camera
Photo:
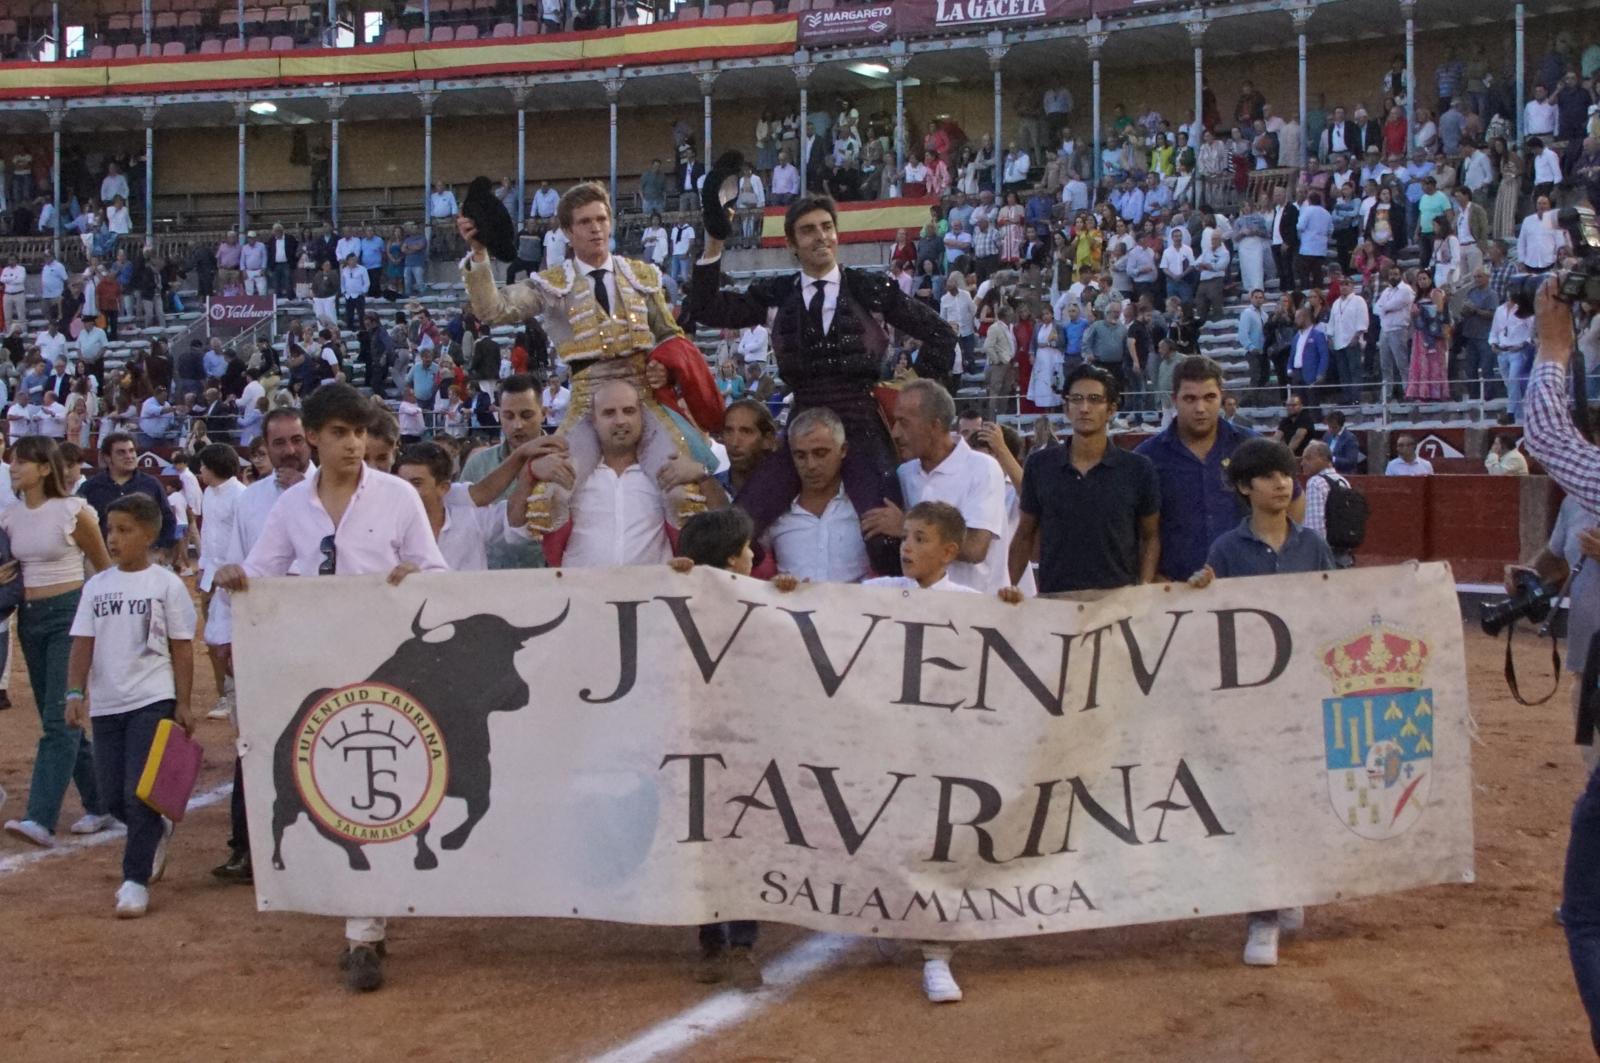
(1573, 462)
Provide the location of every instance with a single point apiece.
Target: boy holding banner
(1265, 543)
(133, 647)
(935, 532)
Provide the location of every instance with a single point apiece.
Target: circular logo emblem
(216, 311)
(370, 763)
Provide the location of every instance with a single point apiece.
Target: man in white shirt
(347, 520)
(1213, 263)
(346, 246)
(15, 279)
(113, 185)
(957, 245)
(785, 181)
(22, 418)
(1176, 262)
(51, 419)
(52, 284)
(1075, 194)
(1348, 319)
(755, 348)
(1016, 168)
(1394, 331)
(463, 526)
(545, 201)
(1546, 167)
(441, 202)
(682, 251)
(619, 514)
(1408, 464)
(1536, 240)
(819, 538)
(555, 247)
(942, 468)
(1510, 337)
(52, 343)
(555, 398)
(1477, 173)
(155, 420)
(1540, 115)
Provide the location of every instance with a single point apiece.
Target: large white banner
(648, 747)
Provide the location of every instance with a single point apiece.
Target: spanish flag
(860, 223)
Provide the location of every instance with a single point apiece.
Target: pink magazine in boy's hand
(170, 771)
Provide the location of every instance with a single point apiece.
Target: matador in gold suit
(600, 343)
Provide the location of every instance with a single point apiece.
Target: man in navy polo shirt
(1191, 455)
(1090, 507)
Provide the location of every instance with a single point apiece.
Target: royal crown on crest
(1377, 660)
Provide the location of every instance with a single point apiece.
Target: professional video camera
(1581, 284)
(1534, 601)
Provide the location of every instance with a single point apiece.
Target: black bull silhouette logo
(460, 680)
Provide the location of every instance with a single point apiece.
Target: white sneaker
(1291, 919)
(91, 824)
(158, 866)
(133, 900)
(938, 983)
(223, 709)
(29, 831)
(1261, 947)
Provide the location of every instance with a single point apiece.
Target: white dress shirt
(906, 583)
(785, 180)
(682, 240)
(112, 186)
(1401, 467)
(383, 526)
(754, 344)
(610, 279)
(1349, 320)
(442, 204)
(545, 202)
(1536, 242)
(469, 529)
(250, 515)
(617, 520)
(974, 484)
(1539, 118)
(219, 535)
(825, 549)
(830, 295)
(1509, 332)
(1547, 167)
(51, 421)
(14, 278)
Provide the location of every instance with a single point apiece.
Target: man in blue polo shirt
(1191, 455)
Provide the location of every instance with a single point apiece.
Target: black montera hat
(495, 229)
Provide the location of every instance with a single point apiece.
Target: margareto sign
(646, 747)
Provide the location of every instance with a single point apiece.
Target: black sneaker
(5, 701)
(742, 968)
(713, 966)
(237, 870)
(363, 968)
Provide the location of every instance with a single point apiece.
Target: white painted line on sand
(13, 864)
(782, 976)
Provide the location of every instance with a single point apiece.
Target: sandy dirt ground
(1460, 972)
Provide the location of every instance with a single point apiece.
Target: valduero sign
(846, 25)
(641, 746)
(229, 315)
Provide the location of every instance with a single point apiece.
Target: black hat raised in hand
(719, 192)
(495, 229)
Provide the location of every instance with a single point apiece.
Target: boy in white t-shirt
(934, 534)
(133, 648)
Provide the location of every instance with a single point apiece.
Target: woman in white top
(117, 219)
(52, 534)
(1446, 254)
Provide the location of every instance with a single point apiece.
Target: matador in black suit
(828, 334)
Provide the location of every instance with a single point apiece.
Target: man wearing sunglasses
(348, 520)
(1091, 508)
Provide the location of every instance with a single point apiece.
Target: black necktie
(600, 296)
(815, 308)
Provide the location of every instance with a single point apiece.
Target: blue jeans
(1580, 902)
(122, 745)
(1513, 367)
(64, 754)
(682, 266)
(1477, 365)
(415, 280)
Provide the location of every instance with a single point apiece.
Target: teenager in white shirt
(347, 520)
(463, 526)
